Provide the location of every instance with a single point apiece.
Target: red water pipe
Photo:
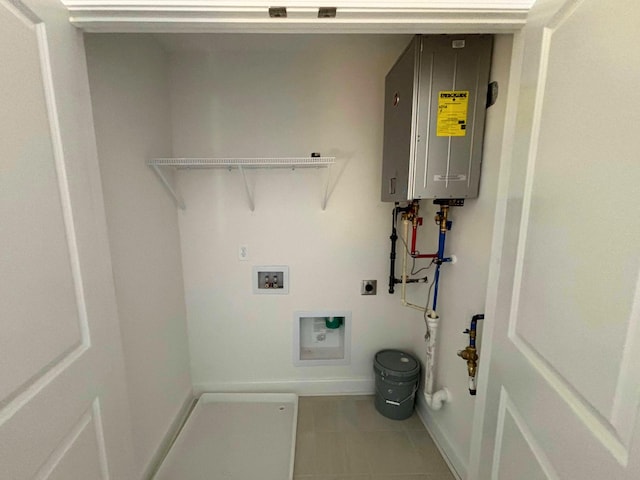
(414, 253)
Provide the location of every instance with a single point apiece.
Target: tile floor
(345, 438)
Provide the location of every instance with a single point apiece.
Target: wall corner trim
(170, 436)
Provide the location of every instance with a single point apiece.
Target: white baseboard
(332, 386)
(457, 464)
(170, 435)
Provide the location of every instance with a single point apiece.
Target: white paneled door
(563, 387)
(63, 410)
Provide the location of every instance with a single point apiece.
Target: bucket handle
(397, 404)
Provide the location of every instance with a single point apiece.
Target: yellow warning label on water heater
(452, 113)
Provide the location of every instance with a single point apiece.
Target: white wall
(128, 80)
(254, 96)
(463, 285)
(284, 96)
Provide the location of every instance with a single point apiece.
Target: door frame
(79, 387)
(504, 244)
(353, 16)
(510, 212)
(379, 17)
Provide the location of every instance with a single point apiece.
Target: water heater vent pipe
(442, 396)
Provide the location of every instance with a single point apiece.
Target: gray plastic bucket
(397, 378)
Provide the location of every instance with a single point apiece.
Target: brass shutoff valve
(412, 214)
(471, 356)
(470, 353)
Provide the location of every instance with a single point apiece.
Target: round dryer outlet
(369, 287)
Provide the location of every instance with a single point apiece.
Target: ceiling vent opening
(278, 12)
(327, 12)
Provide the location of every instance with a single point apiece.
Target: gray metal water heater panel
(417, 162)
(401, 95)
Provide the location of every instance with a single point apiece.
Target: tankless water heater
(435, 102)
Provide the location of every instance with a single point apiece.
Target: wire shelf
(274, 162)
(241, 164)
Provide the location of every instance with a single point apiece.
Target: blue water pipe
(444, 226)
(472, 329)
(435, 288)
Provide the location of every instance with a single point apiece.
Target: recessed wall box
(435, 102)
(270, 279)
(321, 338)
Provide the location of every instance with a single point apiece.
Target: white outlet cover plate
(243, 253)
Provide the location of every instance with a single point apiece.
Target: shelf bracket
(325, 198)
(172, 191)
(252, 204)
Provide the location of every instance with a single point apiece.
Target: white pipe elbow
(436, 400)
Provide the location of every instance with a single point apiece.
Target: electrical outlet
(369, 287)
(243, 253)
